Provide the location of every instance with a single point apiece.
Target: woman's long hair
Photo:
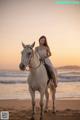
(45, 44)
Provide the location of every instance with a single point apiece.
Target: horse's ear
(33, 45)
(23, 45)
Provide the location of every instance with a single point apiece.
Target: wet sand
(21, 109)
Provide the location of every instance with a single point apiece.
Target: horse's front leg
(33, 103)
(41, 105)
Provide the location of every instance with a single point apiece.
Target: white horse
(37, 79)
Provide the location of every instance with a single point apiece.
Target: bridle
(30, 61)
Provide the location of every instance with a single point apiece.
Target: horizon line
(55, 67)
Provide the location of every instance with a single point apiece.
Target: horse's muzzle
(22, 66)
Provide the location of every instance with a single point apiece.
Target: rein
(34, 67)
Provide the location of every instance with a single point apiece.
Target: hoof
(46, 110)
(54, 111)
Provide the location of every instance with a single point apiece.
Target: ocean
(13, 85)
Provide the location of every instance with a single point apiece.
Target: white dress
(43, 53)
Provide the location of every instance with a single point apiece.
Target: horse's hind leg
(53, 91)
(47, 99)
(33, 103)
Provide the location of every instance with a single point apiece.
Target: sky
(27, 20)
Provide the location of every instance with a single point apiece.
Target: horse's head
(26, 55)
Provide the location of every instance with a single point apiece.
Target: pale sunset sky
(27, 20)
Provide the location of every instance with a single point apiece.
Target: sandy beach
(21, 109)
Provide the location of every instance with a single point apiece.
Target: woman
(44, 52)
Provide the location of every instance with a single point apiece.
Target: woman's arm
(48, 52)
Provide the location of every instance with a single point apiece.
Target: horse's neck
(35, 60)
